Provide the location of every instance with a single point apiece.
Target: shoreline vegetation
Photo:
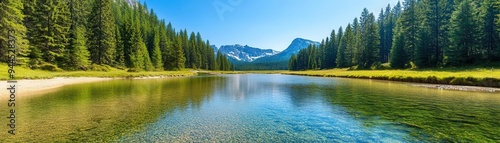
(26, 73)
(431, 78)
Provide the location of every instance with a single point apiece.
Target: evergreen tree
(370, 40)
(339, 36)
(396, 11)
(427, 35)
(331, 51)
(48, 24)
(489, 36)
(210, 57)
(11, 19)
(341, 54)
(194, 52)
(398, 57)
(409, 25)
(178, 54)
(292, 63)
(357, 42)
(463, 35)
(389, 24)
(78, 54)
(323, 50)
(120, 49)
(128, 33)
(156, 56)
(102, 37)
(382, 29)
(166, 48)
(349, 46)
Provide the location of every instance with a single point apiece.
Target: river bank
(28, 87)
(466, 80)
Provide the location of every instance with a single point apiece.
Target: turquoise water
(258, 108)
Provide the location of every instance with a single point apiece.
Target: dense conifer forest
(99, 34)
(412, 34)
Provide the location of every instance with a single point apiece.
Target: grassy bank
(243, 72)
(26, 73)
(488, 77)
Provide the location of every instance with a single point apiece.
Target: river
(254, 108)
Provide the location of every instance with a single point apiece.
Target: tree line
(412, 34)
(85, 35)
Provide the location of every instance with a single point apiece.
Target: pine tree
(489, 36)
(396, 11)
(292, 63)
(409, 25)
(341, 54)
(398, 57)
(11, 19)
(210, 56)
(156, 56)
(427, 35)
(179, 59)
(382, 34)
(102, 38)
(370, 40)
(194, 52)
(357, 42)
(48, 26)
(340, 33)
(463, 35)
(331, 51)
(77, 55)
(120, 49)
(128, 34)
(389, 25)
(166, 47)
(349, 46)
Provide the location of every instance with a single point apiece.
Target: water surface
(256, 108)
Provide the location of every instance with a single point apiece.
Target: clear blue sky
(269, 24)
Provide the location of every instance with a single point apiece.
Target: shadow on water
(104, 111)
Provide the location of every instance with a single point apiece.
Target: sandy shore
(31, 87)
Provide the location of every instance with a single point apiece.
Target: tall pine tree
(463, 35)
(102, 37)
(77, 55)
(11, 19)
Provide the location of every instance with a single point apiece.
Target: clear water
(256, 108)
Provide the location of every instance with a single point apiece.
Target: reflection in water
(256, 108)
(104, 111)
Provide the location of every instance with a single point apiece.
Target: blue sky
(268, 24)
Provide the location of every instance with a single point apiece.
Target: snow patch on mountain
(245, 53)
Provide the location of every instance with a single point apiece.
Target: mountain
(296, 45)
(245, 53)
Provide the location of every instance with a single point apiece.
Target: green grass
(244, 72)
(26, 73)
(254, 72)
(489, 77)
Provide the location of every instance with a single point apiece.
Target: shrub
(104, 68)
(50, 67)
(459, 81)
(133, 70)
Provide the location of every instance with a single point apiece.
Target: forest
(95, 35)
(412, 34)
